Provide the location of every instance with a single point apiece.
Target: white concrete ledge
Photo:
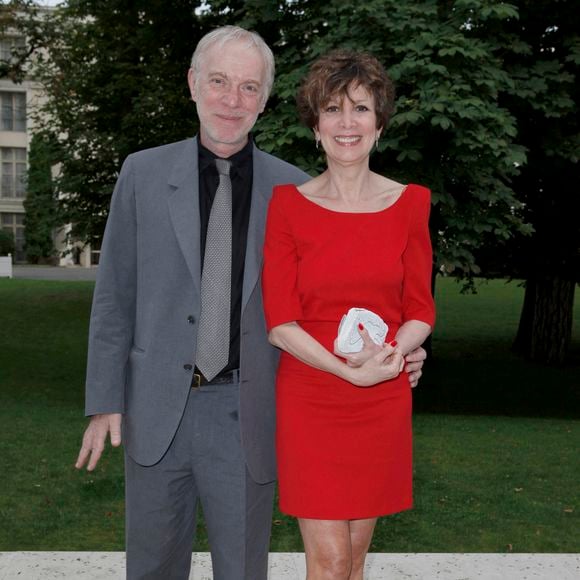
(5, 266)
(290, 566)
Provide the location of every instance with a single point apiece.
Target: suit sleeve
(279, 276)
(418, 301)
(113, 311)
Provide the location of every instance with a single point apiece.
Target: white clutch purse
(349, 339)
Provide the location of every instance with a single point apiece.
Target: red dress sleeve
(418, 301)
(279, 288)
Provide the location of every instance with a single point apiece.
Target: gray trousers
(204, 462)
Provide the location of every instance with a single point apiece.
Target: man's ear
(191, 83)
(263, 106)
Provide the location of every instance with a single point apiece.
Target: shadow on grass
(503, 387)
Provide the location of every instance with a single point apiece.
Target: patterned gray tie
(213, 335)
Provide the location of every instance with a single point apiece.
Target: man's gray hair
(225, 34)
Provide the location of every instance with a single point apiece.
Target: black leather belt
(227, 377)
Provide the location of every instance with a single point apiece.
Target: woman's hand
(356, 359)
(382, 366)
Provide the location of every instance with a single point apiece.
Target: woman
(347, 238)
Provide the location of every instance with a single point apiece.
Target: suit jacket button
(188, 367)
(190, 319)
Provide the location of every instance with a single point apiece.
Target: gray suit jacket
(143, 331)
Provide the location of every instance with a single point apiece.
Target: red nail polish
(360, 326)
(393, 343)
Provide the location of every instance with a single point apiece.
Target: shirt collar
(240, 160)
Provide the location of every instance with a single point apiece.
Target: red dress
(344, 452)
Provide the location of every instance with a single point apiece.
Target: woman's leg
(361, 534)
(327, 544)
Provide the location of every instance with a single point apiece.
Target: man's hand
(414, 363)
(95, 436)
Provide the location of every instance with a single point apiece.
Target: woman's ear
(316, 137)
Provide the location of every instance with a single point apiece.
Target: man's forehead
(243, 57)
(217, 70)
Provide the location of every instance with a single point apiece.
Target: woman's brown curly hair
(332, 75)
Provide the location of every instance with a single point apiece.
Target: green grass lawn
(496, 438)
(473, 369)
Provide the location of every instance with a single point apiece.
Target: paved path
(285, 566)
(54, 273)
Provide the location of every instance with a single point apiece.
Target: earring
(317, 142)
(377, 141)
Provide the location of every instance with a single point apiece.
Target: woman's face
(347, 128)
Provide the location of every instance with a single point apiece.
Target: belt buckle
(196, 383)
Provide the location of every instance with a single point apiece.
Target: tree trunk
(545, 328)
(524, 333)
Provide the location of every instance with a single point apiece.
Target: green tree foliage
(114, 73)
(450, 130)
(486, 115)
(542, 57)
(484, 100)
(21, 22)
(115, 76)
(41, 218)
(6, 243)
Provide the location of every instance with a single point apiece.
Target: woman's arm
(384, 365)
(411, 335)
(417, 299)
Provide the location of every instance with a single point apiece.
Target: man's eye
(251, 88)
(217, 81)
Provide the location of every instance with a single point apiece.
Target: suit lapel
(184, 211)
(261, 192)
(184, 207)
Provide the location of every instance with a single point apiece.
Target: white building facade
(15, 131)
(17, 102)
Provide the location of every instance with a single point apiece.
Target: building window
(95, 252)
(14, 223)
(13, 111)
(13, 172)
(11, 46)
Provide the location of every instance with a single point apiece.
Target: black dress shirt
(241, 173)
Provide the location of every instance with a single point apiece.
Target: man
(191, 433)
